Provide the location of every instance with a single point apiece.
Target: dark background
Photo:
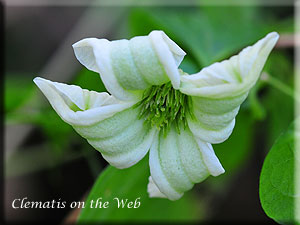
(41, 166)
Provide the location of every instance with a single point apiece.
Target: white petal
(94, 54)
(73, 104)
(169, 54)
(218, 90)
(208, 135)
(215, 118)
(157, 172)
(232, 77)
(109, 125)
(153, 190)
(210, 159)
(176, 163)
(127, 67)
(126, 147)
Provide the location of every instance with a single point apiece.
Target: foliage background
(45, 159)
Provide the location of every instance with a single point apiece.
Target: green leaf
(90, 80)
(131, 184)
(277, 187)
(208, 33)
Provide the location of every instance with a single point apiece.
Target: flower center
(162, 106)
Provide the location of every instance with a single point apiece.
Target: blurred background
(46, 159)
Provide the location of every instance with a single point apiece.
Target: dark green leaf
(277, 187)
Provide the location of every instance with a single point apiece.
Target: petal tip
(153, 190)
(217, 171)
(35, 80)
(83, 43)
(38, 81)
(273, 34)
(77, 44)
(271, 37)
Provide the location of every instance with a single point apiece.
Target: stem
(276, 83)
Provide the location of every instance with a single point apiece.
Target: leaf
(277, 187)
(208, 33)
(90, 80)
(131, 184)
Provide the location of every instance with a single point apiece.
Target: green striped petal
(109, 125)
(218, 90)
(127, 67)
(178, 161)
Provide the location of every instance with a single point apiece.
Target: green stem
(276, 83)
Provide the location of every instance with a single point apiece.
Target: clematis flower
(155, 106)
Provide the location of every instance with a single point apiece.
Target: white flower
(154, 105)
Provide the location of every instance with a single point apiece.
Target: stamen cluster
(162, 106)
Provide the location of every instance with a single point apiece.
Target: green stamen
(162, 106)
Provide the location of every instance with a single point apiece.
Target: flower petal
(94, 54)
(207, 134)
(169, 54)
(210, 159)
(233, 77)
(177, 161)
(153, 190)
(215, 118)
(108, 124)
(128, 66)
(78, 106)
(127, 145)
(218, 90)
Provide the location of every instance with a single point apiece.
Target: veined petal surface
(109, 125)
(178, 161)
(217, 91)
(127, 67)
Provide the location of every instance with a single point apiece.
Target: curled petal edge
(63, 98)
(231, 77)
(94, 54)
(170, 59)
(118, 75)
